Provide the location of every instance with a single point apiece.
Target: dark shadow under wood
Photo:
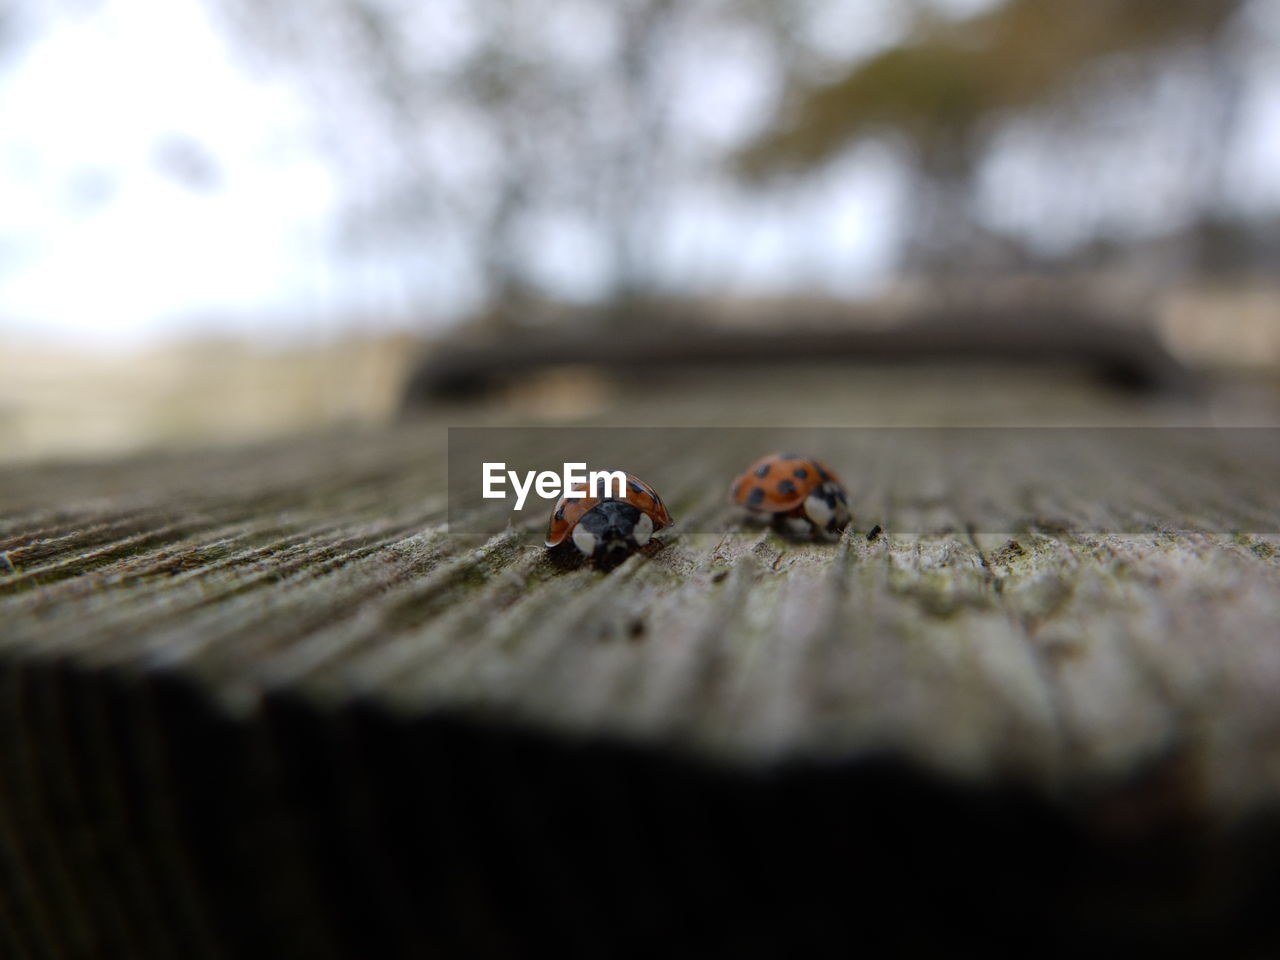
(353, 833)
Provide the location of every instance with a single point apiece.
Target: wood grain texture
(262, 699)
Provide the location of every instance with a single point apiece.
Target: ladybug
(800, 494)
(607, 529)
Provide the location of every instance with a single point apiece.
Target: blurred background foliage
(1016, 133)
(946, 91)
(947, 79)
(339, 169)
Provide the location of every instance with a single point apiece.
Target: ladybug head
(827, 508)
(610, 531)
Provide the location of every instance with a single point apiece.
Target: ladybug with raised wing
(799, 494)
(607, 530)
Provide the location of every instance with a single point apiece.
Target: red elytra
(569, 510)
(780, 482)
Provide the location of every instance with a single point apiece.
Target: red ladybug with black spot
(799, 494)
(607, 530)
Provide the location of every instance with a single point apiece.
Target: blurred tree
(478, 129)
(10, 25)
(943, 88)
(535, 150)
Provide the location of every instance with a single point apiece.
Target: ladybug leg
(842, 513)
(565, 556)
(793, 524)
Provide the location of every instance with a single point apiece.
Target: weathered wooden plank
(343, 578)
(281, 657)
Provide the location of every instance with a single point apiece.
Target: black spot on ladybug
(763, 470)
(786, 486)
(635, 487)
(800, 473)
(560, 512)
(757, 496)
(823, 475)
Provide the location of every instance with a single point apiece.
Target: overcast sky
(152, 184)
